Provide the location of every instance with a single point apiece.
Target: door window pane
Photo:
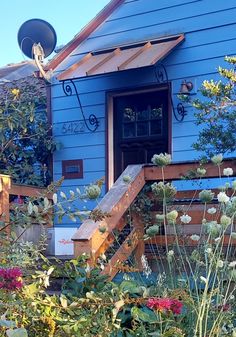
(156, 127)
(142, 129)
(128, 130)
(142, 115)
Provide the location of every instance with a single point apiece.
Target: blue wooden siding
(210, 34)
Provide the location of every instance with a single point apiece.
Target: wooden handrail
(176, 171)
(115, 202)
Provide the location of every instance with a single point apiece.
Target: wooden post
(140, 249)
(5, 185)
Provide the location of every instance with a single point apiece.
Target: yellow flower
(15, 92)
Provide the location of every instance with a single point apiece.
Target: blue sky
(66, 16)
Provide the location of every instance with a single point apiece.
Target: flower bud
(153, 230)
(206, 196)
(225, 221)
(171, 217)
(93, 191)
(217, 159)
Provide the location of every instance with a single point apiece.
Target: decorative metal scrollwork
(162, 77)
(69, 87)
(161, 74)
(180, 112)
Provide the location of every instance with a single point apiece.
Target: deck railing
(8, 189)
(90, 239)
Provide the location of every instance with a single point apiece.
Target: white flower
(195, 237)
(220, 264)
(209, 250)
(54, 198)
(62, 194)
(171, 253)
(211, 210)
(232, 264)
(87, 269)
(222, 197)
(146, 269)
(228, 171)
(185, 218)
(203, 279)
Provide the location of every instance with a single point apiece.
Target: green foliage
(216, 112)
(192, 295)
(25, 140)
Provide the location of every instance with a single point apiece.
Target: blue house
(114, 97)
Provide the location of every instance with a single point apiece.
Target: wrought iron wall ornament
(161, 73)
(162, 77)
(69, 88)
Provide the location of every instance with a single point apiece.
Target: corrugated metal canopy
(138, 55)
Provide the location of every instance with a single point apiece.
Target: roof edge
(84, 33)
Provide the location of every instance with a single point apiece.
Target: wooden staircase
(96, 238)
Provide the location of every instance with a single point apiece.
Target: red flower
(165, 305)
(11, 278)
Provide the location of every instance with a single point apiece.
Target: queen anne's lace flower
(220, 264)
(211, 210)
(195, 237)
(161, 159)
(222, 197)
(228, 171)
(185, 218)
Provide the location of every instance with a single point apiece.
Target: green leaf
(7, 324)
(146, 315)
(46, 203)
(130, 287)
(30, 208)
(21, 332)
(63, 301)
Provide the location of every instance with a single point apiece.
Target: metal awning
(126, 57)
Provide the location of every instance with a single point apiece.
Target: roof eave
(84, 33)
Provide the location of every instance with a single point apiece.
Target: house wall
(210, 34)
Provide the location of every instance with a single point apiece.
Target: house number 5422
(73, 127)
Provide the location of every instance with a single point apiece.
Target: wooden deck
(91, 240)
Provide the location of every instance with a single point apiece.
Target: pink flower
(165, 305)
(11, 278)
(176, 307)
(224, 307)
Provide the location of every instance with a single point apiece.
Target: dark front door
(140, 128)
